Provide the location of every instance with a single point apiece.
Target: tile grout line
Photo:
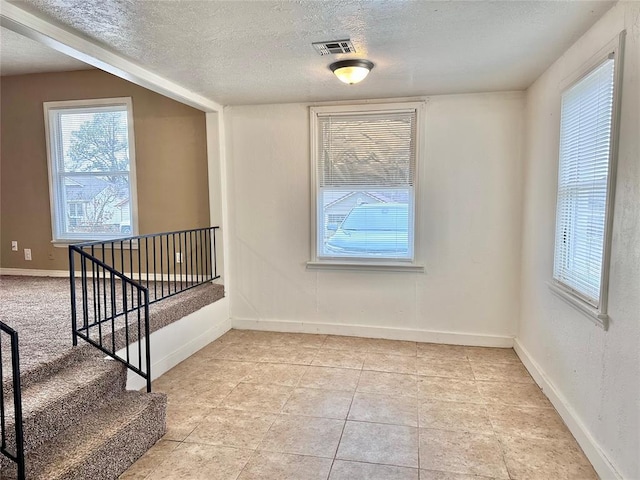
(485, 404)
(277, 415)
(346, 418)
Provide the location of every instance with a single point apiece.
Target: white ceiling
(244, 52)
(20, 55)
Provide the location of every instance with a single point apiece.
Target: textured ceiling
(244, 52)
(19, 55)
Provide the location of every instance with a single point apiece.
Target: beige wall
(171, 161)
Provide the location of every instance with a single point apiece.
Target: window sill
(116, 244)
(365, 266)
(593, 314)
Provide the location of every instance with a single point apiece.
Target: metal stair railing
(17, 455)
(118, 279)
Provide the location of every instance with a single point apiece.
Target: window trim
(370, 264)
(88, 103)
(599, 315)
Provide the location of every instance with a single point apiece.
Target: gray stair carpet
(39, 309)
(51, 405)
(81, 423)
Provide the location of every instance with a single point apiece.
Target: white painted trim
(593, 314)
(589, 445)
(53, 137)
(356, 108)
(224, 196)
(87, 51)
(32, 272)
(179, 340)
(433, 336)
(28, 272)
(217, 167)
(366, 266)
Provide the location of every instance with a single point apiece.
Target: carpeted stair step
(65, 398)
(104, 444)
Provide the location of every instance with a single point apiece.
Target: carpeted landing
(79, 421)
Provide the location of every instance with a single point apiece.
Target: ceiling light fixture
(351, 71)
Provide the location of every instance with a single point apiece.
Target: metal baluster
(126, 318)
(72, 280)
(196, 232)
(146, 256)
(99, 318)
(155, 282)
(191, 250)
(130, 267)
(168, 268)
(147, 348)
(85, 306)
(17, 404)
(173, 242)
(161, 270)
(93, 281)
(139, 336)
(181, 257)
(113, 313)
(215, 260)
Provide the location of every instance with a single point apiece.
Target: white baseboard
(368, 331)
(591, 448)
(32, 272)
(179, 340)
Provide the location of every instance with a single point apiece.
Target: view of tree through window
(90, 150)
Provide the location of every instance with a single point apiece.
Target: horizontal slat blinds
(585, 140)
(366, 172)
(373, 149)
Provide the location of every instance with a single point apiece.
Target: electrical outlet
(27, 254)
(178, 257)
(14, 245)
(51, 257)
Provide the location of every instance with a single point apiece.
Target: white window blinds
(365, 169)
(372, 149)
(583, 178)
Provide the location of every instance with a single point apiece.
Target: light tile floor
(281, 406)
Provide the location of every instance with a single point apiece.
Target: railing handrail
(18, 458)
(107, 292)
(137, 237)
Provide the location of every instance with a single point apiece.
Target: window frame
(52, 145)
(339, 263)
(596, 313)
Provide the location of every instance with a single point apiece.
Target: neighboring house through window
(586, 181)
(90, 147)
(364, 163)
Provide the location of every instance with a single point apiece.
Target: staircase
(81, 423)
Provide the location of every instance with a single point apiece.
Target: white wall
(179, 340)
(469, 219)
(595, 373)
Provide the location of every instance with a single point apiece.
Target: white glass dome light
(351, 71)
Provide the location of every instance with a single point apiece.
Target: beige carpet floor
(39, 309)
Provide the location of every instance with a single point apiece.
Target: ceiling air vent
(334, 47)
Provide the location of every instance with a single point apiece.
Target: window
(91, 168)
(364, 162)
(76, 213)
(585, 188)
